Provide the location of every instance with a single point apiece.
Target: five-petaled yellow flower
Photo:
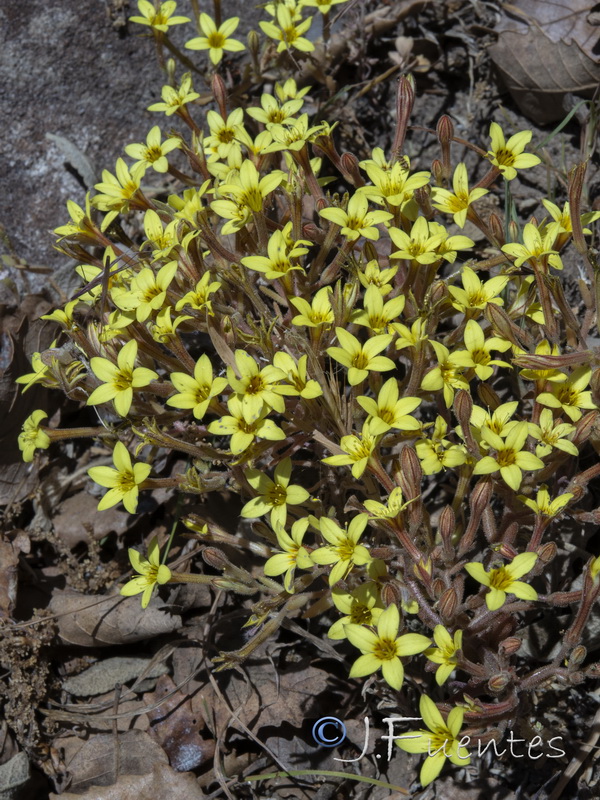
(119, 380)
(151, 572)
(360, 358)
(510, 456)
(457, 203)
(122, 482)
(509, 156)
(441, 741)
(293, 554)
(383, 650)
(196, 392)
(342, 550)
(504, 580)
(287, 32)
(357, 220)
(216, 40)
(32, 436)
(275, 495)
(444, 653)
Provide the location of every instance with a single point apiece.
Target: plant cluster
(404, 416)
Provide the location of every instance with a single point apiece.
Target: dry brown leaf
(89, 622)
(175, 727)
(79, 521)
(9, 558)
(545, 51)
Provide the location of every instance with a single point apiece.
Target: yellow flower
(441, 741)
(293, 135)
(542, 375)
(164, 329)
(216, 40)
(476, 293)
(376, 315)
(390, 411)
(243, 433)
(117, 190)
(41, 372)
(447, 375)
(383, 650)
(196, 392)
(151, 572)
(391, 509)
(32, 436)
(510, 457)
(255, 387)
(357, 220)
(360, 358)
(296, 374)
(503, 580)
(509, 156)
(373, 275)
(272, 111)
(273, 495)
(153, 153)
(248, 188)
(148, 291)
(357, 451)
(445, 652)
(360, 607)
(119, 380)
(324, 6)
(438, 453)
(294, 554)
(277, 263)
(534, 247)
(414, 336)
(420, 246)
(457, 203)
(478, 351)
(81, 228)
(123, 482)
(343, 550)
(543, 506)
(173, 100)
(552, 435)
(315, 314)
(393, 185)
(287, 32)
(198, 298)
(159, 19)
(570, 395)
(499, 421)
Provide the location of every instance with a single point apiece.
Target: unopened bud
(349, 164)
(547, 552)
(384, 552)
(595, 385)
(411, 473)
(480, 496)
(391, 594)
(510, 646)
(507, 550)
(447, 605)
(584, 428)
(488, 396)
(513, 231)
(314, 234)
(321, 203)
(498, 683)
(463, 407)
(575, 188)
(577, 657)
(445, 132)
(228, 585)
(219, 93)
(423, 570)
(215, 558)
(405, 98)
(253, 43)
(422, 196)
(536, 361)
(503, 325)
(446, 528)
(438, 587)
(437, 170)
(437, 293)
(496, 229)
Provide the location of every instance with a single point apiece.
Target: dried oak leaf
(144, 773)
(175, 727)
(547, 50)
(9, 559)
(89, 622)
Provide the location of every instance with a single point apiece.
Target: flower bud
(577, 657)
(510, 646)
(384, 552)
(445, 132)
(547, 552)
(438, 588)
(575, 188)
(507, 550)
(437, 171)
(349, 165)
(446, 529)
(219, 93)
(253, 43)
(411, 473)
(504, 327)
(584, 428)
(513, 231)
(498, 683)
(422, 196)
(447, 605)
(391, 594)
(215, 558)
(463, 407)
(480, 496)
(496, 229)
(437, 293)
(405, 98)
(314, 234)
